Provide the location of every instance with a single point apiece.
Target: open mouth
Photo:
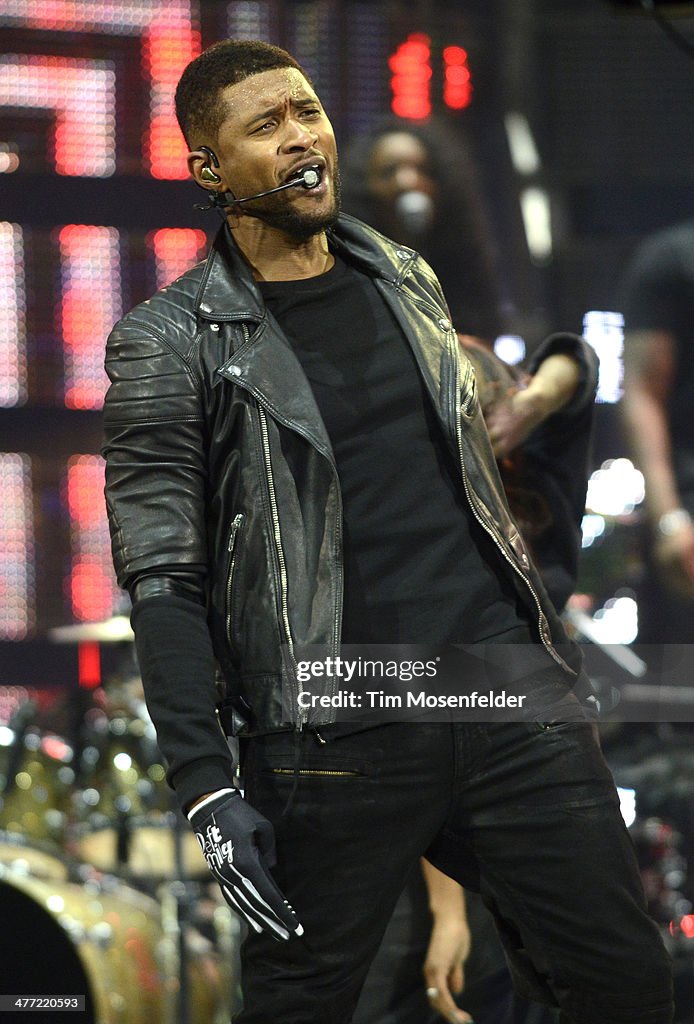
(310, 174)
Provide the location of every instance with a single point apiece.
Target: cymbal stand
(182, 896)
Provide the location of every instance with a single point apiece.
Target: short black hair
(225, 63)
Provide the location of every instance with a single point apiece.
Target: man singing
(296, 456)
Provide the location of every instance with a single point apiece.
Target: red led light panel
(411, 78)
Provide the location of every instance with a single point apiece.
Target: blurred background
(577, 115)
(579, 121)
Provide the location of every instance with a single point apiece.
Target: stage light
(17, 546)
(167, 49)
(9, 158)
(249, 19)
(13, 363)
(604, 331)
(411, 78)
(80, 94)
(537, 221)
(510, 348)
(91, 585)
(88, 664)
(668, 8)
(524, 153)
(592, 527)
(457, 81)
(175, 251)
(617, 621)
(90, 305)
(627, 805)
(170, 39)
(615, 489)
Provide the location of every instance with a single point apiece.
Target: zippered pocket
(317, 773)
(232, 558)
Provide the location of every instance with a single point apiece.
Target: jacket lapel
(266, 364)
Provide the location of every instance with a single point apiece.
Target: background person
(418, 184)
(657, 299)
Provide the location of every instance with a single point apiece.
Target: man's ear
(203, 167)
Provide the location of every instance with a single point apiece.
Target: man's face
(274, 127)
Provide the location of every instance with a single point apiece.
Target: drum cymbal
(113, 630)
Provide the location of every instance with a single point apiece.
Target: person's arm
(513, 417)
(154, 447)
(449, 943)
(156, 470)
(649, 365)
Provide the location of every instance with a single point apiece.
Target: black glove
(239, 847)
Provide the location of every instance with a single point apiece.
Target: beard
(299, 225)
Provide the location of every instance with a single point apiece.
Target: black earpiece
(211, 154)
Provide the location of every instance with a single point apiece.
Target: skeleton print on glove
(239, 847)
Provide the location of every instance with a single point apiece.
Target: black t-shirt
(418, 567)
(657, 293)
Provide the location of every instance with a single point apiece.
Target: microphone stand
(19, 724)
(182, 898)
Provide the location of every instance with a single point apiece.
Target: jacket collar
(228, 290)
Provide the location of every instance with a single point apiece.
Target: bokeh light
(92, 587)
(17, 546)
(90, 305)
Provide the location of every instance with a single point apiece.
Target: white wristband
(673, 521)
(207, 800)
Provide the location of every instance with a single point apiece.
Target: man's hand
(239, 847)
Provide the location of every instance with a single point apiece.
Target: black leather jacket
(218, 462)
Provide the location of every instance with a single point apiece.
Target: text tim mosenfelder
(402, 671)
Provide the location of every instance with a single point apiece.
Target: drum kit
(104, 890)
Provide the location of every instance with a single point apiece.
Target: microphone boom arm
(309, 178)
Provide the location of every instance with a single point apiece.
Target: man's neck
(275, 256)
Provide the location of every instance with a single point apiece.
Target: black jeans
(526, 814)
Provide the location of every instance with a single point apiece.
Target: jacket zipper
(278, 535)
(236, 525)
(275, 525)
(488, 527)
(274, 513)
(303, 718)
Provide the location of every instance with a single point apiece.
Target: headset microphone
(308, 178)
